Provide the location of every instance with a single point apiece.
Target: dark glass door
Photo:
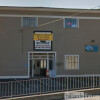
(43, 67)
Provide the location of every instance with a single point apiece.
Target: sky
(78, 4)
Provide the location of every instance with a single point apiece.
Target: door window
(50, 64)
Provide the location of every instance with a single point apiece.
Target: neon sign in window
(71, 23)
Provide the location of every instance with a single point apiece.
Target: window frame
(29, 26)
(65, 64)
(71, 27)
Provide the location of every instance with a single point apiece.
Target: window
(71, 23)
(43, 64)
(29, 22)
(50, 64)
(72, 62)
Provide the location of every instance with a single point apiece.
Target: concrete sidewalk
(60, 95)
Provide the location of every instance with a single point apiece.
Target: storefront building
(47, 42)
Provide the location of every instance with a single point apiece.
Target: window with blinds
(71, 23)
(29, 22)
(72, 62)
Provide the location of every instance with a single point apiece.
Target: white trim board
(42, 52)
(46, 16)
(12, 77)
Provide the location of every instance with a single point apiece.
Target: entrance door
(40, 62)
(40, 67)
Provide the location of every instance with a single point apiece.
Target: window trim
(71, 18)
(66, 65)
(28, 26)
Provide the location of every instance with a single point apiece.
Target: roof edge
(49, 9)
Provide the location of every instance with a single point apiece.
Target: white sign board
(74, 95)
(42, 45)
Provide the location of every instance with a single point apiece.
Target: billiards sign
(91, 48)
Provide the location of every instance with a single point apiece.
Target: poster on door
(42, 40)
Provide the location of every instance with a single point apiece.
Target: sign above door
(42, 40)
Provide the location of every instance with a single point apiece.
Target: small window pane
(50, 64)
(69, 59)
(69, 65)
(45, 63)
(72, 59)
(71, 23)
(76, 59)
(73, 66)
(76, 65)
(41, 64)
(38, 63)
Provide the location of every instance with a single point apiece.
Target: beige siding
(15, 42)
